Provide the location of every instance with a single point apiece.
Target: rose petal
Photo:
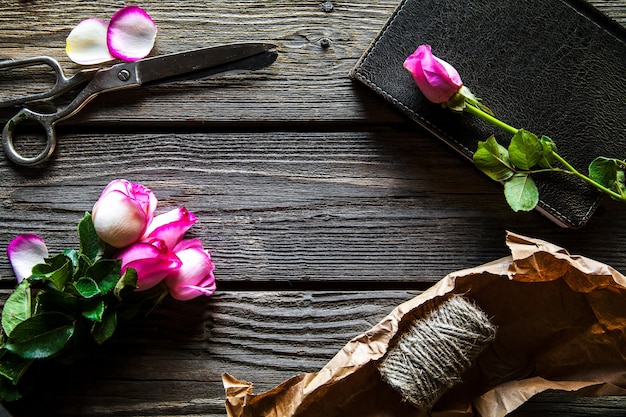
(24, 252)
(152, 261)
(195, 277)
(87, 42)
(170, 227)
(131, 34)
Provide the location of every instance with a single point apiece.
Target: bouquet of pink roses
(67, 303)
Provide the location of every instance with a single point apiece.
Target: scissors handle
(116, 77)
(46, 121)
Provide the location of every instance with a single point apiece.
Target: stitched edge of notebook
(358, 75)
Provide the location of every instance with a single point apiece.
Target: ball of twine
(433, 354)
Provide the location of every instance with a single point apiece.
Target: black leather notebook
(553, 67)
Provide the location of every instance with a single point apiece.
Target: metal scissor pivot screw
(123, 75)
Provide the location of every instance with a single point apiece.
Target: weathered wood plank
(290, 206)
(308, 84)
(170, 362)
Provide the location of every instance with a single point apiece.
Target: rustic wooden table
(323, 207)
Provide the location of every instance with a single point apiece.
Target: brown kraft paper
(561, 325)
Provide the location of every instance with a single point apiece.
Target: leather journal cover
(553, 67)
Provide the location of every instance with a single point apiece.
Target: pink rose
(435, 78)
(195, 276)
(162, 253)
(123, 212)
(152, 260)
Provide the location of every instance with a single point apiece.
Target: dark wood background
(323, 207)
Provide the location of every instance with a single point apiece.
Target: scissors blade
(197, 61)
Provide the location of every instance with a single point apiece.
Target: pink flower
(171, 226)
(123, 212)
(24, 252)
(162, 254)
(195, 276)
(152, 260)
(435, 78)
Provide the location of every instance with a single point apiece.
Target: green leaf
(493, 159)
(72, 255)
(525, 150)
(17, 308)
(13, 366)
(547, 155)
(90, 244)
(83, 264)
(49, 300)
(41, 336)
(104, 330)
(127, 282)
(106, 273)
(93, 309)
(8, 391)
(57, 271)
(87, 287)
(521, 192)
(604, 171)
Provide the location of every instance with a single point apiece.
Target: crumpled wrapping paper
(561, 325)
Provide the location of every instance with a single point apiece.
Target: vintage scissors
(200, 62)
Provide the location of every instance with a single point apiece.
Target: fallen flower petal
(24, 252)
(131, 34)
(87, 42)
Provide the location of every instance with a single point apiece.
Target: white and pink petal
(131, 34)
(87, 42)
(24, 252)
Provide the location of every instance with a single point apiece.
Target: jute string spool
(433, 354)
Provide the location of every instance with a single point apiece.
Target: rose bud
(195, 276)
(123, 212)
(435, 78)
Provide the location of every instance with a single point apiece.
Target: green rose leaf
(521, 192)
(548, 149)
(93, 309)
(72, 255)
(104, 329)
(90, 244)
(17, 308)
(106, 273)
(525, 150)
(493, 159)
(604, 171)
(8, 390)
(127, 282)
(41, 336)
(87, 287)
(83, 264)
(13, 366)
(57, 270)
(59, 301)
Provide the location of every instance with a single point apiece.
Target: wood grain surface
(323, 207)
